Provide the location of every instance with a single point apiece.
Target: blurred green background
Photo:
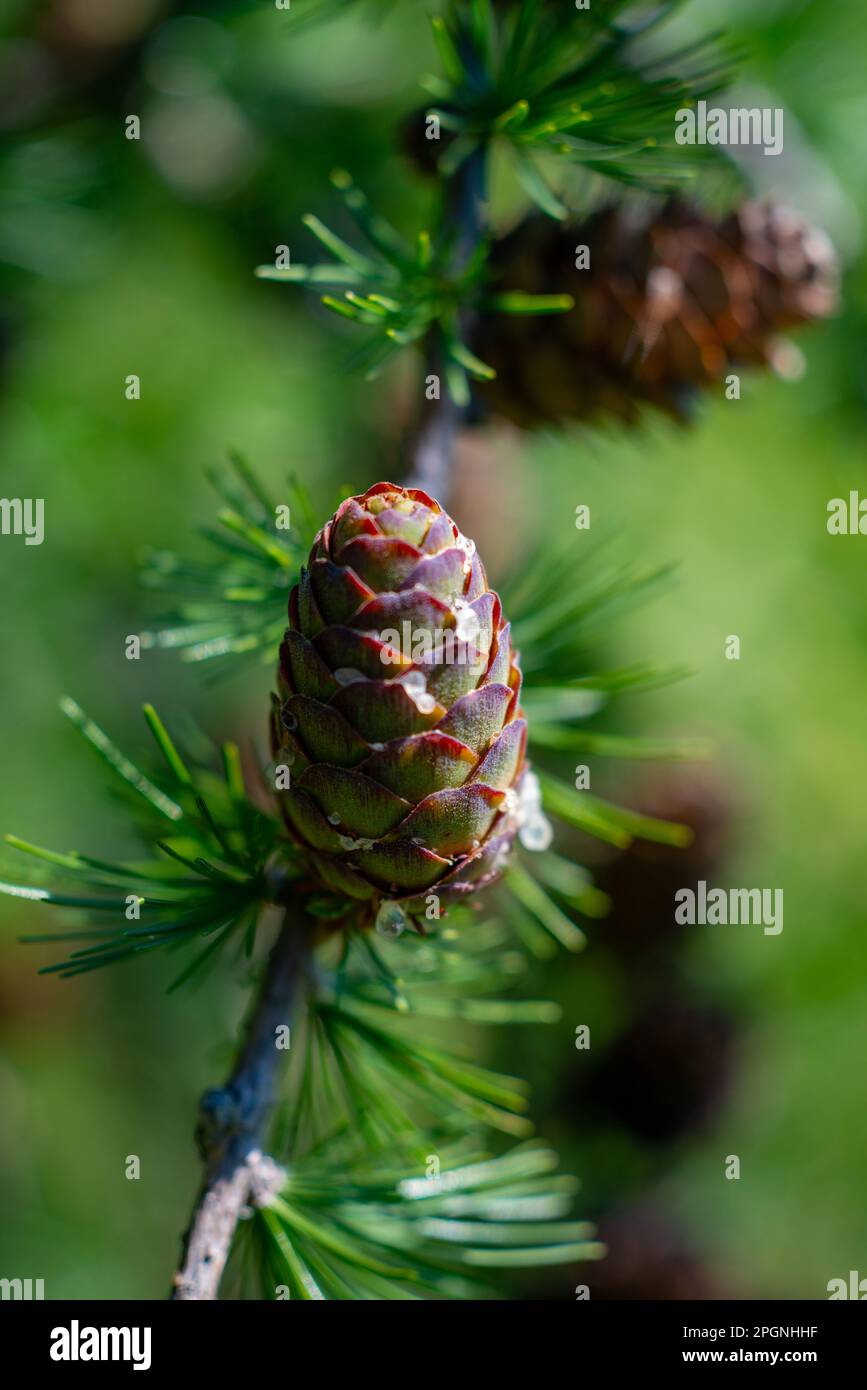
(121, 257)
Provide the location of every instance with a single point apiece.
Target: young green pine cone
(399, 718)
(668, 304)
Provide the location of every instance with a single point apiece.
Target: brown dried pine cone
(670, 303)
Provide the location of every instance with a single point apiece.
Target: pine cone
(649, 1257)
(399, 715)
(667, 305)
(669, 1070)
(642, 879)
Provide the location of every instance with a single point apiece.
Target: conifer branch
(433, 454)
(233, 1124)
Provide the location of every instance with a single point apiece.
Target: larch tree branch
(464, 220)
(234, 1119)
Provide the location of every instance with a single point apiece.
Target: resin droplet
(347, 675)
(536, 832)
(468, 626)
(469, 548)
(501, 858)
(390, 920)
(334, 818)
(415, 686)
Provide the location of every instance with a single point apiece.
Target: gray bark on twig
(433, 452)
(233, 1123)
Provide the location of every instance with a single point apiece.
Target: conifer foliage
(389, 869)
